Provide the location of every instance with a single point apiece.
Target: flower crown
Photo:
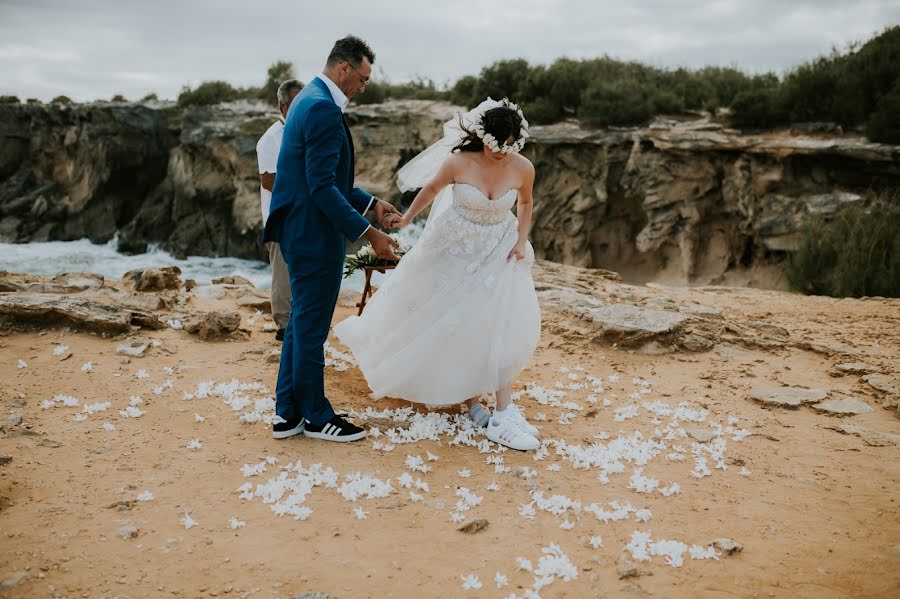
(491, 141)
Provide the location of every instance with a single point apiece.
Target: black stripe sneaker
(336, 429)
(283, 429)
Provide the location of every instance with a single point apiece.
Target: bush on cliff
(277, 73)
(851, 254)
(884, 124)
(207, 93)
(9, 100)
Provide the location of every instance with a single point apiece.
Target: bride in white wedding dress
(459, 315)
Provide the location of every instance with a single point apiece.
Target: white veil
(421, 169)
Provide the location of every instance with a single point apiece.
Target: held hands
(518, 252)
(386, 214)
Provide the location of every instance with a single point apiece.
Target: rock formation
(678, 201)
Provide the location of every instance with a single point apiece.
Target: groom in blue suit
(314, 209)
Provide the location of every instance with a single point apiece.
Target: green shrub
(57, 100)
(118, 98)
(9, 100)
(852, 254)
(621, 102)
(276, 74)
(151, 97)
(884, 124)
(463, 91)
(756, 108)
(207, 93)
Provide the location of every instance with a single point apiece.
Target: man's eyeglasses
(365, 79)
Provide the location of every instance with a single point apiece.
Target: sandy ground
(817, 512)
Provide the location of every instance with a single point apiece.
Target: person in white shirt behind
(267, 153)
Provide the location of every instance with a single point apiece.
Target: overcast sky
(90, 49)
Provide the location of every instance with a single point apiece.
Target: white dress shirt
(341, 99)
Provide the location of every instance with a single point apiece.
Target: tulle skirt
(455, 318)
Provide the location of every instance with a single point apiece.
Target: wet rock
(158, 278)
(879, 384)
(855, 368)
(847, 406)
(788, 397)
(134, 348)
(626, 568)
(213, 325)
(233, 280)
(727, 546)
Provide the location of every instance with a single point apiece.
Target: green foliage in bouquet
(366, 257)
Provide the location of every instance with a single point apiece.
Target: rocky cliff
(676, 201)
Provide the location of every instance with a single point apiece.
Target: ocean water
(55, 257)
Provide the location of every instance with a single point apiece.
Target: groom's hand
(382, 244)
(386, 215)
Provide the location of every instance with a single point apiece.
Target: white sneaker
(514, 413)
(506, 432)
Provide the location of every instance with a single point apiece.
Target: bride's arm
(523, 211)
(444, 177)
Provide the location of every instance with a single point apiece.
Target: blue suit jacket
(315, 207)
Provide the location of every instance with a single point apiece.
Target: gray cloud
(97, 48)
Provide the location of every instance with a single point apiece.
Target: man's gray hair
(285, 89)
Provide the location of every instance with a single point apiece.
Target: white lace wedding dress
(455, 318)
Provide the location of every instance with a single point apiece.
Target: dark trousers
(300, 390)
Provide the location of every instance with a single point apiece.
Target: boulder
(47, 310)
(157, 278)
(232, 280)
(213, 325)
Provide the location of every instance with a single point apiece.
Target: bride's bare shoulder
(523, 165)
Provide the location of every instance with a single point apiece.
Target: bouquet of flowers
(366, 257)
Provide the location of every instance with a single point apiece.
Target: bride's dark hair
(501, 122)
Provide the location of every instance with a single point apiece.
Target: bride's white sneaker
(506, 432)
(514, 413)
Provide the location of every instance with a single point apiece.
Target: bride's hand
(403, 221)
(518, 252)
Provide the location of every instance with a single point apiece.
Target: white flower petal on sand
(464, 473)
(145, 496)
(60, 350)
(97, 407)
(234, 523)
(109, 426)
(135, 400)
(195, 444)
(198, 418)
(141, 375)
(470, 582)
(21, 364)
(130, 412)
(523, 564)
(87, 367)
(745, 471)
(595, 542)
(188, 522)
(360, 513)
(500, 580)
(431, 457)
(643, 515)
